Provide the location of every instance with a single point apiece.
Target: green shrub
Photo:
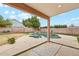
(78, 39)
(11, 40)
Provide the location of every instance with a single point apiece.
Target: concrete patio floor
(21, 44)
(51, 49)
(67, 40)
(47, 49)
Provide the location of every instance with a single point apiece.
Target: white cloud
(6, 12)
(13, 17)
(72, 18)
(13, 12)
(24, 15)
(75, 18)
(27, 15)
(74, 21)
(6, 6)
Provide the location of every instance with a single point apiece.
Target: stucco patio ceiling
(45, 10)
(52, 9)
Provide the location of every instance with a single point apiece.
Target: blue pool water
(44, 34)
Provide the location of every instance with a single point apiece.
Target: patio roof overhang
(29, 9)
(45, 10)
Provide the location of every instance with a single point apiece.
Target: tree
(1, 17)
(8, 23)
(60, 26)
(32, 22)
(72, 25)
(5, 23)
(2, 23)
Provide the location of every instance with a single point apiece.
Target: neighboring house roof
(17, 23)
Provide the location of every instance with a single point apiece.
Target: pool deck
(67, 40)
(23, 45)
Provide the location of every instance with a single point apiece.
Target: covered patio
(46, 10)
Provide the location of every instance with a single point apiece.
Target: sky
(68, 18)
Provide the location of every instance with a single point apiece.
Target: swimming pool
(44, 34)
